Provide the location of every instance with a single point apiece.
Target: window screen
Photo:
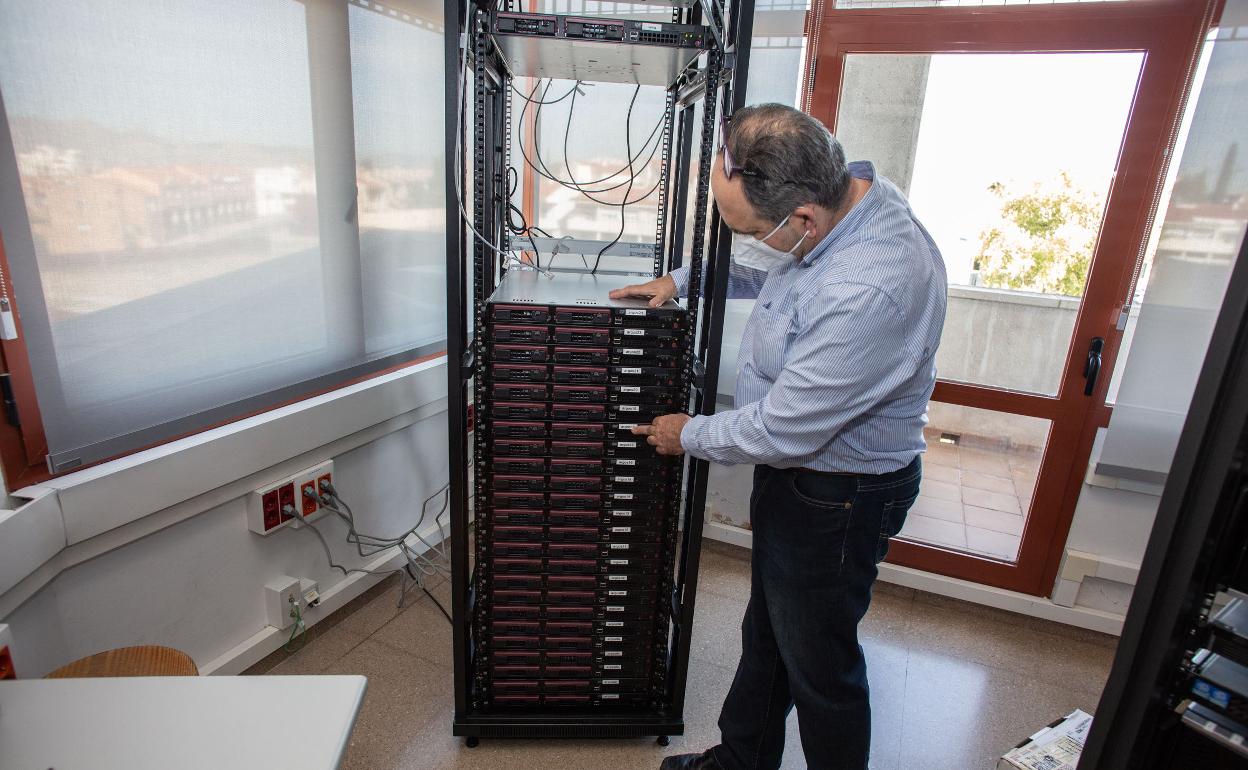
(213, 207)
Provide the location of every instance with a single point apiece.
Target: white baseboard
(1025, 604)
(268, 640)
(728, 533)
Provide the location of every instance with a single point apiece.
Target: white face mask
(752, 252)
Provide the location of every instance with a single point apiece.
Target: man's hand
(659, 290)
(664, 433)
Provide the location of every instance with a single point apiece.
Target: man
(836, 367)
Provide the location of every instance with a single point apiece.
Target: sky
(1017, 119)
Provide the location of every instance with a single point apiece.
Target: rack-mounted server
(577, 517)
(612, 50)
(605, 30)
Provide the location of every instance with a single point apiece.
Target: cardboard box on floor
(1056, 747)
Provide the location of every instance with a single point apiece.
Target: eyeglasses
(730, 166)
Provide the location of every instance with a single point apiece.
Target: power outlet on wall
(283, 601)
(7, 668)
(269, 507)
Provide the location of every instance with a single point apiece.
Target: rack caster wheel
(663, 740)
(472, 741)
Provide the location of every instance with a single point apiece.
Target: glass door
(1031, 141)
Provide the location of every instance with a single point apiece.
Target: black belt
(843, 474)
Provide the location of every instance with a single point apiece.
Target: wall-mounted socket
(8, 670)
(282, 595)
(311, 592)
(296, 497)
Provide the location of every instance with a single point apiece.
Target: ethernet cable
(628, 152)
(544, 171)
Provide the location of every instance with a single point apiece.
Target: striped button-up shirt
(838, 357)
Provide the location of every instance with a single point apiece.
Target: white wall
(197, 585)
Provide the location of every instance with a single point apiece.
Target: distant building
(127, 208)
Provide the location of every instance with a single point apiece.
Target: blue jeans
(817, 540)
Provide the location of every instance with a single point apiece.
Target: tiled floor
(952, 685)
(973, 499)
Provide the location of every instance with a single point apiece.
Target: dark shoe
(703, 761)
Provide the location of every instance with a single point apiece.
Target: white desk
(237, 722)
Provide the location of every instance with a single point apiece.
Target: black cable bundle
(584, 187)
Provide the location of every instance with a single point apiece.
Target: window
(219, 207)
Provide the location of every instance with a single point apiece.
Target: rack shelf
(598, 50)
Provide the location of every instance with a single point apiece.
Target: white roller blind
(1200, 237)
(178, 199)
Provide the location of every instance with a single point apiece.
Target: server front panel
(576, 516)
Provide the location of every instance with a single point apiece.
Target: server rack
(508, 515)
(1177, 695)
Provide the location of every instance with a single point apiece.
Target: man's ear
(804, 216)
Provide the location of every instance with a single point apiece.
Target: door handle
(1092, 367)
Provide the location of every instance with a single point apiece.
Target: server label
(610, 696)
(614, 608)
(617, 577)
(619, 562)
(630, 408)
(637, 311)
(611, 667)
(624, 479)
(630, 388)
(624, 514)
(651, 27)
(633, 351)
(626, 444)
(623, 496)
(614, 623)
(610, 681)
(630, 370)
(625, 462)
(613, 639)
(621, 529)
(634, 332)
(615, 653)
(617, 593)
(619, 546)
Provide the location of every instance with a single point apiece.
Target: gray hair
(794, 160)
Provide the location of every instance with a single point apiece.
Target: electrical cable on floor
(433, 598)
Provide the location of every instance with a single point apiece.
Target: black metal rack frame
(717, 81)
(1197, 548)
